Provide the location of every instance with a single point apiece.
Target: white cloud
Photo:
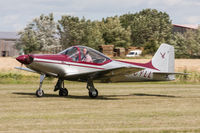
(14, 13)
(18, 27)
(193, 19)
(173, 2)
(10, 19)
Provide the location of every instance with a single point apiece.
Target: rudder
(164, 58)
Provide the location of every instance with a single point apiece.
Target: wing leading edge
(26, 69)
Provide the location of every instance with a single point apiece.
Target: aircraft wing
(30, 70)
(117, 74)
(120, 71)
(26, 69)
(105, 74)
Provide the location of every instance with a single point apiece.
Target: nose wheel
(40, 92)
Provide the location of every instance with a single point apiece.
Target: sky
(16, 14)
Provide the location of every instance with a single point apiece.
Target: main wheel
(93, 94)
(63, 92)
(39, 93)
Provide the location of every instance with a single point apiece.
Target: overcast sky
(15, 14)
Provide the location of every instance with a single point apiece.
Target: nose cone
(25, 59)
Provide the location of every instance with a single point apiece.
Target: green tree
(187, 45)
(39, 35)
(79, 32)
(150, 47)
(114, 33)
(92, 35)
(192, 40)
(146, 25)
(126, 20)
(70, 31)
(197, 37)
(28, 41)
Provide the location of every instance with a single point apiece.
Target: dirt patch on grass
(8, 63)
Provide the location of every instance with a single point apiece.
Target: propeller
(25, 59)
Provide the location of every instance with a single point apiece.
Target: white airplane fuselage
(64, 69)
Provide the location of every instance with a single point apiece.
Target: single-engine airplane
(81, 63)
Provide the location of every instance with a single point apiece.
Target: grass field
(120, 107)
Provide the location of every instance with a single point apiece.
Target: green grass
(18, 78)
(21, 78)
(120, 107)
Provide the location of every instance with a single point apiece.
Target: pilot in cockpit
(86, 56)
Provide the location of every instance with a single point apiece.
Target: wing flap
(121, 71)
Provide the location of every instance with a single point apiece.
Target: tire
(63, 92)
(39, 93)
(93, 94)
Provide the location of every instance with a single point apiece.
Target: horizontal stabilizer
(171, 73)
(166, 75)
(26, 69)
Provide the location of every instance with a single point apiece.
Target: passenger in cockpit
(86, 56)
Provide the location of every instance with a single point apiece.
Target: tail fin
(164, 58)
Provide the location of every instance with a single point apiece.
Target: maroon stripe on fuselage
(61, 57)
(146, 65)
(68, 64)
(58, 57)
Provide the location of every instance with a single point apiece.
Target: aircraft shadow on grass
(103, 97)
(154, 95)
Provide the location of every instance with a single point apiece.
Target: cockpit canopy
(84, 54)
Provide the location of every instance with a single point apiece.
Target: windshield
(72, 53)
(85, 54)
(131, 53)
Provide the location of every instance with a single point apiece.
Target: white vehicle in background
(134, 53)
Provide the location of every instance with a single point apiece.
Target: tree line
(147, 28)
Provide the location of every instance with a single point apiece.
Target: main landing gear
(93, 92)
(60, 86)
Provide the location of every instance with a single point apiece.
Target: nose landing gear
(60, 86)
(40, 92)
